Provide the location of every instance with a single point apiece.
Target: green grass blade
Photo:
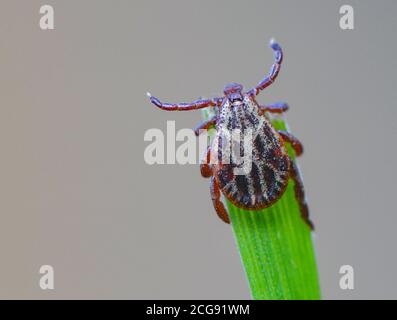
(276, 247)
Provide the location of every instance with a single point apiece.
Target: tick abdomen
(268, 176)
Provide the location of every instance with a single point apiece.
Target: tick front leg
(205, 166)
(216, 200)
(274, 70)
(300, 194)
(205, 125)
(296, 144)
(198, 104)
(279, 107)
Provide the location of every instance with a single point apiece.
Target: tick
(271, 166)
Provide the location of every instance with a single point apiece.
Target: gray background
(76, 193)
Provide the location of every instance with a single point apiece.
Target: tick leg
(274, 70)
(300, 194)
(198, 104)
(216, 200)
(296, 144)
(205, 125)
(205, 166)
(279, 107)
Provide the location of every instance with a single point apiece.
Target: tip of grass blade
(275, 244)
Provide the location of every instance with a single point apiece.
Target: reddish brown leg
(275, 108)
(205, 167)
(216, 200)
(275, 69)
(198, 104)
(296, 144)
(205, 125)
(300, 194)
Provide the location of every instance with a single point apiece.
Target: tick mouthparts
(148, 94)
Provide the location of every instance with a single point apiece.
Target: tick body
(269, 168)
(270, 165)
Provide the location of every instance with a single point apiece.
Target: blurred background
(76, 193)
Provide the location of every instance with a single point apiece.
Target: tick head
(233, 92)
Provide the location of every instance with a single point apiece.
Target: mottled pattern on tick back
(269, 174)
